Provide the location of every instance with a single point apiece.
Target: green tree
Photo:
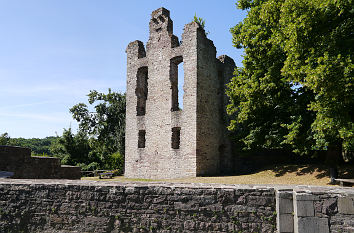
(105, 126)
(295, 87)
(4, 139)
(72, 148)
(39, 146)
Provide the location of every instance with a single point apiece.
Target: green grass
(280, 174)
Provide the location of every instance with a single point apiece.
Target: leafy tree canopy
(100, 140)
(4, 139)
(295, 89)
(106, 125)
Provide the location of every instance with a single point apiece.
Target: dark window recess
(176, 137)
(141, 90)
(141, 140)
(177, 81)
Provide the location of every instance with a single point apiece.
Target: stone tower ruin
(162, 140)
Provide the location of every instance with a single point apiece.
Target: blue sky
(53, 52)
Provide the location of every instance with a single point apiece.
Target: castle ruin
(163, 140)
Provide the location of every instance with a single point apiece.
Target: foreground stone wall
(41, 206)
(320, 210)
(87, 206)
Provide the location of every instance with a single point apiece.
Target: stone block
(346, 205)
(312, 225)
(285, 194)
(304, 208)
(329, 206)
(284, 202)
(306, 197)
(304, 204)
(285, 223)
(286, 206)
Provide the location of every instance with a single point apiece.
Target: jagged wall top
(160, 22)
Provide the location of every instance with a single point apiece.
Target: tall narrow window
(141, 139)
(141, 90)
(177, 81)
(176, 137)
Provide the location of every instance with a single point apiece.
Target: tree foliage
(100, 140)
(72, 148)
(38, 146)
(295, 89)
(4, 139)
(201, 22)
(106, 125)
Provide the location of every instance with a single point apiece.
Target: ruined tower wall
(208, 116)
(162, 140)
(226, 68)
(157, 158)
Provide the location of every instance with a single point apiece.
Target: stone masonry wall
(24, 166)
(88, 206)
(56, 206)
(163, 140)
(316, 210)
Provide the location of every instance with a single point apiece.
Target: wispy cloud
(71, 88)
(59, 118)
(26, 105)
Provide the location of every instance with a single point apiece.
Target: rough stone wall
(318, 211)
(323, 212)
(87, 206)
(19, 161)
(153, 113)
(54, 206)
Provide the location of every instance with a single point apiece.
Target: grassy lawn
(281, 174)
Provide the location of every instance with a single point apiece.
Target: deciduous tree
(295, 89)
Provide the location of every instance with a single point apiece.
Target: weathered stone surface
(329, 206)
(285, 202)
(81, 206)
(312, 225)
(286, 223)
(285, 211)
(346, 205)
(86, 206)
(163, 140)
(304, 208)
(304, 205)
(326, 211)
(21, 164)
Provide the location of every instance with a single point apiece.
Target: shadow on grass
(300, 170)
(345, 171)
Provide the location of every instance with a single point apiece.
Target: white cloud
(77, 88)
(57, 118)
(26, 105)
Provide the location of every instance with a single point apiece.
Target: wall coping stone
(296, 188)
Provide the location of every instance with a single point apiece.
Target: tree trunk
(333, 157)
